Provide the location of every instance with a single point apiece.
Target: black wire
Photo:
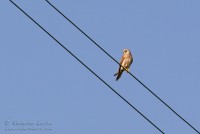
(123, 67)
(87, 67)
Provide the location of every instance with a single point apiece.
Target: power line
(87, 67)
(123, 67)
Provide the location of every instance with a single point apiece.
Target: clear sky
(41, 82)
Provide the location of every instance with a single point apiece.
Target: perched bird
(125, 63)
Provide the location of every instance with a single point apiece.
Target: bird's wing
(122, 59)
(121, 62)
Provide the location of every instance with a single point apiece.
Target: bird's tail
(119, 74)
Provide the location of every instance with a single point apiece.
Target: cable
(87, 67)
(123, 67)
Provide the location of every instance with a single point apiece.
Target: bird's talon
(127, 70)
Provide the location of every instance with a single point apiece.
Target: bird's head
(126, 51)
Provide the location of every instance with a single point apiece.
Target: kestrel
(125, 62)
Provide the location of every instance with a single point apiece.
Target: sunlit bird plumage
(125, 63)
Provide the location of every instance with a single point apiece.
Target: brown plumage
(125, 61)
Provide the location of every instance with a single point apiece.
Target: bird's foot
(127, 70)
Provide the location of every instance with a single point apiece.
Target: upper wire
(87, 67)
(122, 66)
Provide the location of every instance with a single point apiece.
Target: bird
(125, 63)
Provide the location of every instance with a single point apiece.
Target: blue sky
(41, 82)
